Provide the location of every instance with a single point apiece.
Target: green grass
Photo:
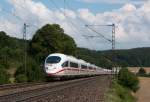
(119, 93)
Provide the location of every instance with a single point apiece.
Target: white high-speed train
(60, 65)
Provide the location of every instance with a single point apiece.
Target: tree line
(136, 57)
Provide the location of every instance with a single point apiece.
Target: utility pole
(25, 46)
(113, 34)
(112, 42)
(113, 49)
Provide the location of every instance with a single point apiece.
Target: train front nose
(51, 64)
(50, 68)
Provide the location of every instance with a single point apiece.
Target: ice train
(61, 65)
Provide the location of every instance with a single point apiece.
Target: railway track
(19, 85)
(45, 91)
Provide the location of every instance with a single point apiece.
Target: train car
(61, 65)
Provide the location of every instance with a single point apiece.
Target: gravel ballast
(92, 91)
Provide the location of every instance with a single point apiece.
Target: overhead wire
(72, 24)
(17, 17)
(81, 21)
(36, 25)
(61, 12)
(99, 34)
(69, 20)
(10, 13)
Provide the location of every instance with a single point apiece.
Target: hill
(11, 54)
(130, 57)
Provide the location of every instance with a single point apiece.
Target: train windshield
(53, 59)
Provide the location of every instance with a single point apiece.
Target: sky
(131, 17)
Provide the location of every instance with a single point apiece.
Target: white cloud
(36, 14)
(10, 27)
(128, 8)
(132, 23)
(85, 14)
(69, 13)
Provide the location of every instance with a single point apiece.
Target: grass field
(143, 94)
(136, 69)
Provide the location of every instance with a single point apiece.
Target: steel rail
(19, 85)
(41, 92)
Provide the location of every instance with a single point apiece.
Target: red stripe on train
(69, 69)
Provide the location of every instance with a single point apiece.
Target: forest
(136, 57)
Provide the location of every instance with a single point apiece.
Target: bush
(148, 74)
(119, 93)
(21, 78)
(128, 79)
(1, 66)
(141, 72)
(33, 72)
(4, 76)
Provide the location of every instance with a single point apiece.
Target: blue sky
(76, 4)
(132, 19)
(72, 4)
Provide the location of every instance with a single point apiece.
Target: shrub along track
(81, 90)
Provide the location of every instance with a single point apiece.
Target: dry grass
(143, 93)
(12, 71)
(136, 69)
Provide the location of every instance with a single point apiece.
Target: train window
(72, 64)
(83, 66)
(65, 64)
(53, 59)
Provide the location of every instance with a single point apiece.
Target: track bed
(81, 90)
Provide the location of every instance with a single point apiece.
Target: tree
(51, 39)
(11, 50)
(4, 39)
